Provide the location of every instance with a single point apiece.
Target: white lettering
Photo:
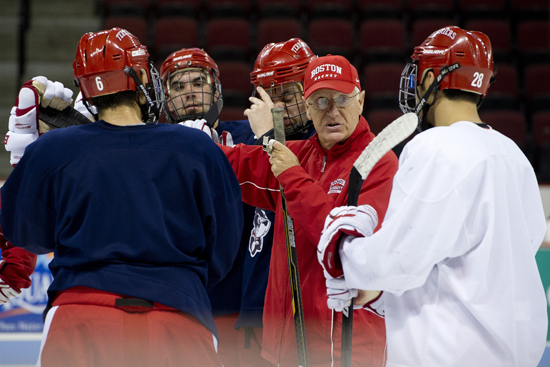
(326, 67)
(139, 52)
(122, 33)
(446, 32)
(297, 47)
(263, 75)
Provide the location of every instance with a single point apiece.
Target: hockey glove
(202, 125)
(357, 221)
(6, 291)
(340, 297)
(24, 123)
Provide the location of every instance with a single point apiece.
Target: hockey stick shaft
(296, 293)
(214, 112)
(397, 131)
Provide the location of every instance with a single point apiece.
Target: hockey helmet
(204, 87)
(468, 54)
(110, 61)
(280, 69)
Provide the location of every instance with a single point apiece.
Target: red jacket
(312, 190)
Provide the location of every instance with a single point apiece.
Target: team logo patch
(262, 224)
(336, 186)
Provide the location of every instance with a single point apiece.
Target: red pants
(103, 335)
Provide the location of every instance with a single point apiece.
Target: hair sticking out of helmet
(101, 67)
(191, 81)
(280, 69)
(459, 59)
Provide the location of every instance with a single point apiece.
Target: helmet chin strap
(423, 105)
(152, 107)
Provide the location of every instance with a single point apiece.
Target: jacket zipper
(324, 163)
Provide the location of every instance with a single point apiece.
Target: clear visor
(407, 88)
(291, 97)
(190, 92)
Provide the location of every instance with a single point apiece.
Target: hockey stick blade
(214, 112)
(59, 119)
(393, 134)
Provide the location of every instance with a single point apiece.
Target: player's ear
(361, 99)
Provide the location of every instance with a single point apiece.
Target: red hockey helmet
(101, 58)
(280, 69)
(282, 62)
(204, 95)
(111, 61)
(450, 46)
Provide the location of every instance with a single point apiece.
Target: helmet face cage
(407, 88)
(190, 92)
(155, 89)
(291, 94)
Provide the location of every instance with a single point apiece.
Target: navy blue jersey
(226, 296)
(256, 243)
(146, 211)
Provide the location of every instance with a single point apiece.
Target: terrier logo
(262, 224)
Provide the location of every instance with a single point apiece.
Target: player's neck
(122, 115)
(448, 112)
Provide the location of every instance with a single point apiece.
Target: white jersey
(456, 254)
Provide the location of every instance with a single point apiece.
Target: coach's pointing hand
(282, 158)
(259, 113)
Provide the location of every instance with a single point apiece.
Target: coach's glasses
(322, 103)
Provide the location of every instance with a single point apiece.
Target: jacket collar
(338, 149)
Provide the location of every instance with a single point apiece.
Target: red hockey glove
(7, 292)
(357, 221)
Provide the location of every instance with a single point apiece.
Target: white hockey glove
(341, 296)
(6, 291)
(24, 123)
(357, 221)
(202, 125)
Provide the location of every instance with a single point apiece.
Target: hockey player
(314, 176)
(280, 69)
(455, 256)
(132, 255)
(192, 85)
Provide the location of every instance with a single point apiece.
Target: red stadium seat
(278, 8)
(172, 34)
(277, 30)
(499, 33)
(177, 8)
(329, 8)
(537, 92)
(235, 77)
(229, 8)
(126, 7)
(382, 40)
(332, 36)
(423, 28)
(374, 9)
(431, 8)
(508, 122)
(473, 9)
(381, 84)
(529, 9)
(228, 39)
(504, 91)
(533, 40)
(135, 25)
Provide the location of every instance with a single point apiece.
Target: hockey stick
(393, 134)
(296, 293)
(59, 119)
